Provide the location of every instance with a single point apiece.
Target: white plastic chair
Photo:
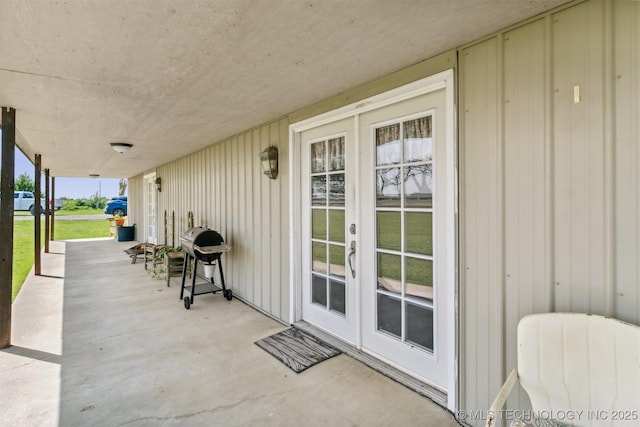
(578, 369)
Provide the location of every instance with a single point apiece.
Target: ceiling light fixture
(121, 147)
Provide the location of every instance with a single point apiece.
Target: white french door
(150, 229)
(404, 199)
(377, 234)
(328, 291)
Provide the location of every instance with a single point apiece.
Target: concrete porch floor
(97, 341)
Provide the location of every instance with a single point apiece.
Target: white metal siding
(223, 185)
(550, 184)
(526, 287)
(135, 205)
(482, 247)
(579, 160)
(627, 159)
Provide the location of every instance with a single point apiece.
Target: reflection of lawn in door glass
(418, 231)
(319, 231)
(418, 239)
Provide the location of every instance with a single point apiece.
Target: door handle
(352, 252)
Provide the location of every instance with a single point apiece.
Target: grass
(418, 240)
(63, 212)
(23, 243)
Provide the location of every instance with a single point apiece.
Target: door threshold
(385, 369)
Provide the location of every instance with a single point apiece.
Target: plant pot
(120, 222)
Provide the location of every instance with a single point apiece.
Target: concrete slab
(97, 341)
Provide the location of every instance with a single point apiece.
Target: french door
(377, 230)
(403, 199)
(151, 222)
(329, 291)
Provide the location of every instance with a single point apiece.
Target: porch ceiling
(174, 77)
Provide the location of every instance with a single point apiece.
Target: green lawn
(23, 244)
(418, 240)
(63, 212)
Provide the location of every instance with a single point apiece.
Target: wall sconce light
(121, 147)
(158, 182)
(269, 160)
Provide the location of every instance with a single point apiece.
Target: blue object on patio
(126, 233)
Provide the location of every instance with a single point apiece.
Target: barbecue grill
(206, 246)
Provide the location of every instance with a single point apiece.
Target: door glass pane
(319, 254)
(319, 290)
(336, 259)
(319, 190)
(328, 217)
(336, 154)
(419, 277)
(404, 230)
(388, 187)
(417, 140)
(389, 274)
(318, 157)
(418, 233)
(418, 186)
(336, 189)
(388, 230)
(389, 315)
(336, 225)
(337, 296)
(318, 224)
(420, 325)
(388, 145)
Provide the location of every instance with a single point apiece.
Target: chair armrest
(501, 397)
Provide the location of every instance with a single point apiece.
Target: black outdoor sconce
(158, 184)
(269, 160)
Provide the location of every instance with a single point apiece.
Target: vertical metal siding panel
(240, 223)
(283, 161)
(229, 213)
(258, 272)
(237, 213)
(247, 213)
(482, 281)
(232, 220)
(183, 190)
(135, 212)
(579, 153)
(218, 190)
(207, 190)
(213, 190)
(526, 290)
(201, 194)
(267, 250)
(275, 234)
(627, 159)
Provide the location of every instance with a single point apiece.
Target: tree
(24, 183)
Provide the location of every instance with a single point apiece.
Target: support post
(53, 211)
(37, 266)
(47, 209)
(6, 222)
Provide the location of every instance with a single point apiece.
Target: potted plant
(119, 220)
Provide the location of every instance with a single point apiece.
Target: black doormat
(296, 349)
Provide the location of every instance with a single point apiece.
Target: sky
(72, 188)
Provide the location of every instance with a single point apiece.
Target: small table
(113, 229)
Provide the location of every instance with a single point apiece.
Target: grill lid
(201, 241)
